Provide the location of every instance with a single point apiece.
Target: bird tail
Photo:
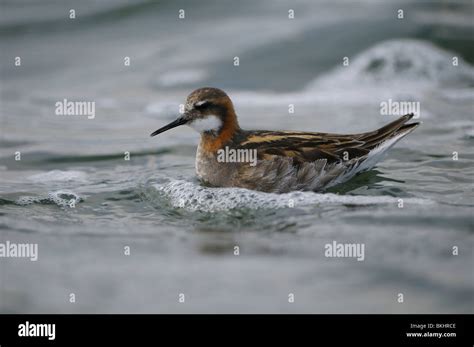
(378, 142)
(394, 130)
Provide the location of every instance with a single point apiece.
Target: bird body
(278, 161)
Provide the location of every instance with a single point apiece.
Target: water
(73, 193)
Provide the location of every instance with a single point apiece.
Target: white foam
(62, 198)
(58, 175)
(193, 197)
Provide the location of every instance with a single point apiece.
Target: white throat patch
(206, 124)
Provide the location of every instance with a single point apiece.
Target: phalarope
(285, 160)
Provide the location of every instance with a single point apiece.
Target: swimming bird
(277, 161)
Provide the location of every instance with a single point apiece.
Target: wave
(402, 68)
(398, 62)
(194, 197)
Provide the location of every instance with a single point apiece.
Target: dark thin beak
(174, 124)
